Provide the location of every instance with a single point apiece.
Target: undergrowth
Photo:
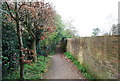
(80, 67)
(32, 71)
(52, 52)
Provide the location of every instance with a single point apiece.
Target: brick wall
(98, 54)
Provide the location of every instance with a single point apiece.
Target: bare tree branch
(21, 6)
(10, 12)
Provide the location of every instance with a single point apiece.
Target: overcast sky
(88, 14)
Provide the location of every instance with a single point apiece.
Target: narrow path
(60, 68)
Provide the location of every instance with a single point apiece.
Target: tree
(70, 29)
(105, 34)
(39, 21)
(15, 16)
(96, 32)
(111, 21)
(34, 20)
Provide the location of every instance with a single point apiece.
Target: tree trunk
(34, 48)
(20, 52)
(19, 34)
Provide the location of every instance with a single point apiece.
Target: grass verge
(32, 71)
(80, 67)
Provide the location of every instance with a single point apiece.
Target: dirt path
(61, 68)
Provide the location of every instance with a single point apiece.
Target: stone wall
(98, 54)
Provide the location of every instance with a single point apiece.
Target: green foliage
(58, 21)
(88, 76)
(69, 56)
(49, 44)
(96, 32)
(76, 62)
(9, 48)
(62, 32)
(79, 66)
(10, 43)
(32, 71)
(67, 33)
(52, 52)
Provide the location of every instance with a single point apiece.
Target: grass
(32, 71)
(79, 66)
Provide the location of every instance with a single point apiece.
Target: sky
(88, 14)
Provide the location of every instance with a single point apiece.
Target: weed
(79, 66)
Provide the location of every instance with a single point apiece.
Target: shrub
(33, 70)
